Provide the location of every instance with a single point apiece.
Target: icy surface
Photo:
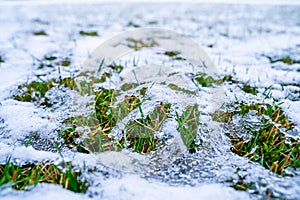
(238, 37)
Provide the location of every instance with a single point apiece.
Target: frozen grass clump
(22, 177)
(268, 146)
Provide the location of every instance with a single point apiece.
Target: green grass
(116, 68)
(70, 135)
(36, 91)
(24, 176)
(287, 60)
(268, 146)
(88, 33)
(240, 184)
(177, 88)
(174, 55)
(188, 124)
(52, 61)
(139, 44)
(207, 81)
(106, 116)
(128, 86)
(65, 62)
(132, 24)
(40, 33)
(245, 87)
(105, 100)
(140, 132)
(109, 115)
(249, 89)
(100, 123)
(2, 59)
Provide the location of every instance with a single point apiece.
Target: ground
(254, 47)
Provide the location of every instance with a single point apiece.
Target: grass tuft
(177, 88)
(174, 55)
(207, 81)
(249, 89)
(139, 44)
(40, 33)
(140, 132)
(188, 124)
(52, 61)
(106, 117)
(128, 86)
(132, 24)
(36, 91)
(2, 59)
(268, 146)
(287, 60)
(23, 176)
(88, 33)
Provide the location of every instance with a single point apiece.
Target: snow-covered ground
(237, 36)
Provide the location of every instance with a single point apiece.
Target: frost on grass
(232, 43)
(22, 177)
(267, 144)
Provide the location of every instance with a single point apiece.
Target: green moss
(268, 146)
(88, 33)
(32, 174)
(188, 124)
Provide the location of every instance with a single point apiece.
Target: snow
(45, 191)
(132, 186)
(23, 118)
(236, 35)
